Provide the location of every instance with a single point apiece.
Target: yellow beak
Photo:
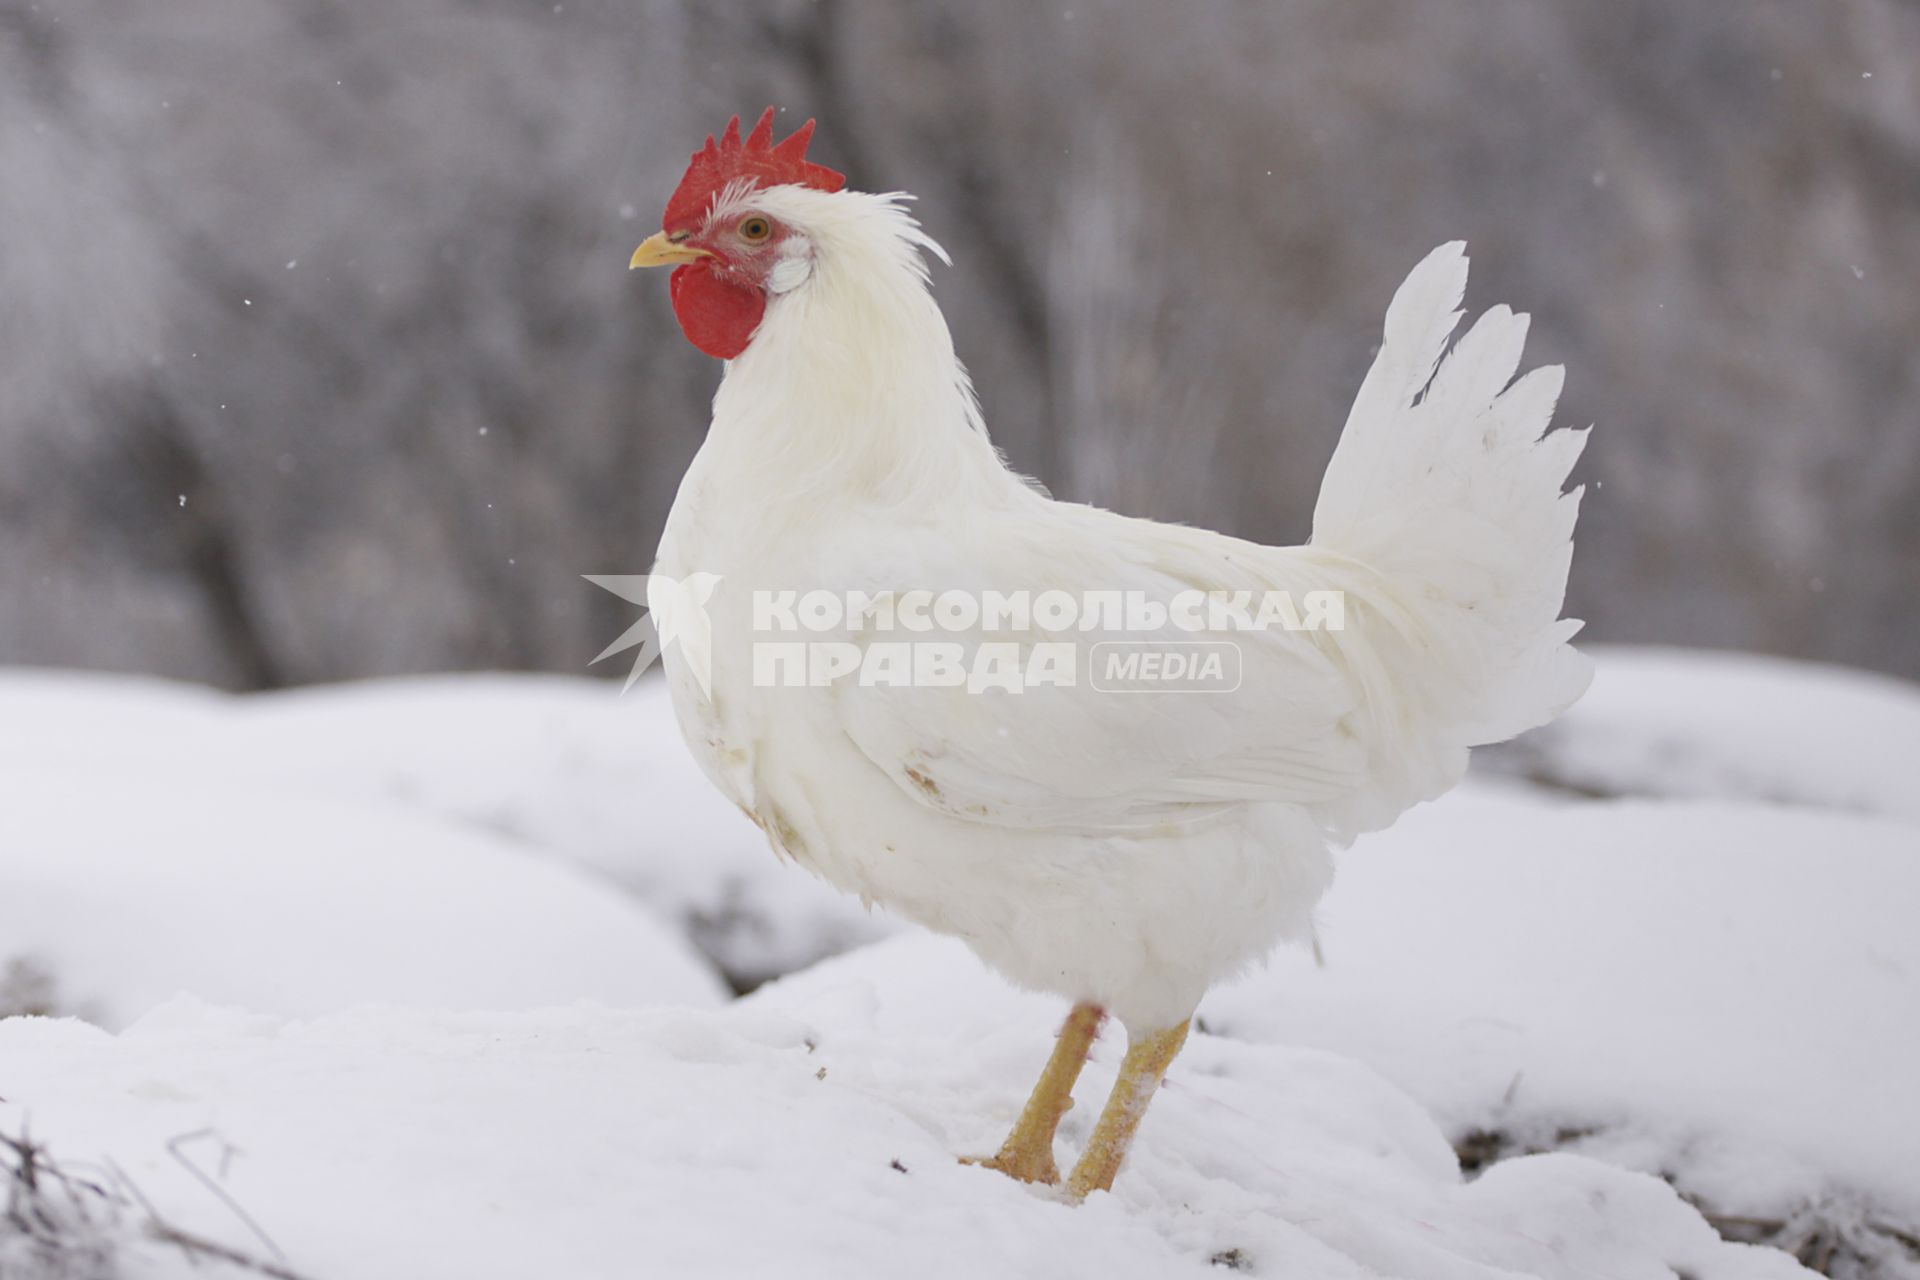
(658, 251)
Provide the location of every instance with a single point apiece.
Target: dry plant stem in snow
(58, 1225)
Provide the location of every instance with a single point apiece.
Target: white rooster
(1122, 851)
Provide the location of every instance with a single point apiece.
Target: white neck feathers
(850, 389)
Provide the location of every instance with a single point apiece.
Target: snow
(419, 951)
(1726, 992)
(1676, 722)
(560, 767)
(281, 903)
(806, 1132)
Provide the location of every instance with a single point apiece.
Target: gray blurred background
(319, 357)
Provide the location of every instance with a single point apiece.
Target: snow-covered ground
(126, 893)
(809, 1132)
(1695, 723)
(427, 955)
(552, 766)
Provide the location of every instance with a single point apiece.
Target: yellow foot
(1027, 1154)
(1021, 1166)
(1141, 1071)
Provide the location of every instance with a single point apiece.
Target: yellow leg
(1146, 1064)
(1027, 1154)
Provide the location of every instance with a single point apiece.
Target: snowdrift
(422, 977)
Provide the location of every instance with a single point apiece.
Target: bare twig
(194, 1245)
(219, 1192)
(78, 1219)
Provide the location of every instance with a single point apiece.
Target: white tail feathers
(1444, 496)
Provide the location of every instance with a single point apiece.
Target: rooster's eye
(754, 230)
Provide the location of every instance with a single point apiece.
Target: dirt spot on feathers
(781, 834)
(788, 837)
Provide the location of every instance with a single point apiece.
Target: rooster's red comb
(756, 160)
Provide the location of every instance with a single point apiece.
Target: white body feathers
(1127, 850)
